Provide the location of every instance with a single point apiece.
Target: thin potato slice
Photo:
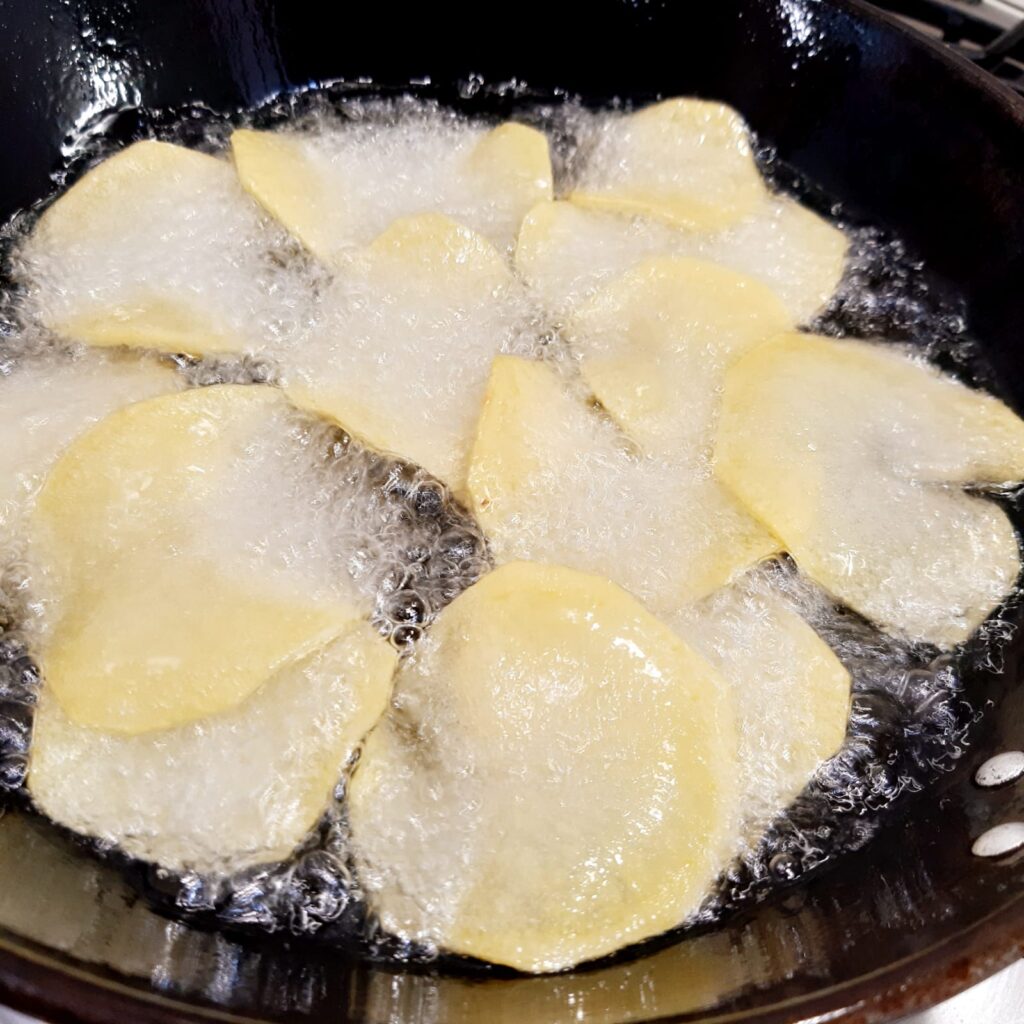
(48, 403)
(337, 192)
(148, 630)
(823, 441)
(143, 169)
(685, 161)
(150, 249)
(224, 792)
(550, 480)
(798, 254)
(404, 360)
(655, 343)
(565, 253)
(949, 433)
(791, 694)
(443, 248)
(555, 779)
(513, 159)
(282, 175)
(155, 646)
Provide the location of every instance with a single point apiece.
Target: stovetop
(988, 32)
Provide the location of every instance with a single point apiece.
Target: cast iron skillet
(902, 133)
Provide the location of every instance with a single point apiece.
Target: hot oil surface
(419, 548)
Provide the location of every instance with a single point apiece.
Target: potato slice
(153, 646)
(228, 791)
(341, 189)
(822, 441)
(402, 358)
(565, 253)
(148, 627)
(550, 480)
(555, 779)
(684, 161)
(950, 433)
(443, 248)
(156, 247)
(279, 170)
(47, 403)
(791, 694)
(135, 174)
(655, 342)
(514, 161)
(795, 252)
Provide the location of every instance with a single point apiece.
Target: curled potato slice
(565, 253)
(403, 356)
(550, 480)
(839, 448)
(655, 342)
(226, 791)
(791, 694)
(339, 191)
(554, 780)
(685, 161)
(152, 248)
(149, 629)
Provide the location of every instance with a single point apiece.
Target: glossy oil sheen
(902, 135)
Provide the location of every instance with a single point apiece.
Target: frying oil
(396, 535)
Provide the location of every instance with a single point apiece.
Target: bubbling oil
(415, 548)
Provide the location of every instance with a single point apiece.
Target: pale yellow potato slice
(338, 191)
(156, 247)
(514, 160)
(565, 253)
(791, 694)
(278, 170)
(149, 320)
(685, 161)
(403, 356)
(158, 645)
(551, 480)
(147, 629)
(822, 441)
(87, 208)
(655, 343)
(48, 402)
(442, 247)
(797, 253)
(949, 433)
(224, 792)
(555, 779)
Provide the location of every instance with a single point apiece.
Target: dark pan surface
(898, 131)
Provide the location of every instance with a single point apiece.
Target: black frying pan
(904, 135)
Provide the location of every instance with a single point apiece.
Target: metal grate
(990, 34)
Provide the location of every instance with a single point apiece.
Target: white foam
(567, 253)
(46, 403)
(409, 357)
(390, 161)
(790, 694)
(207, 254)
(583, 496)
